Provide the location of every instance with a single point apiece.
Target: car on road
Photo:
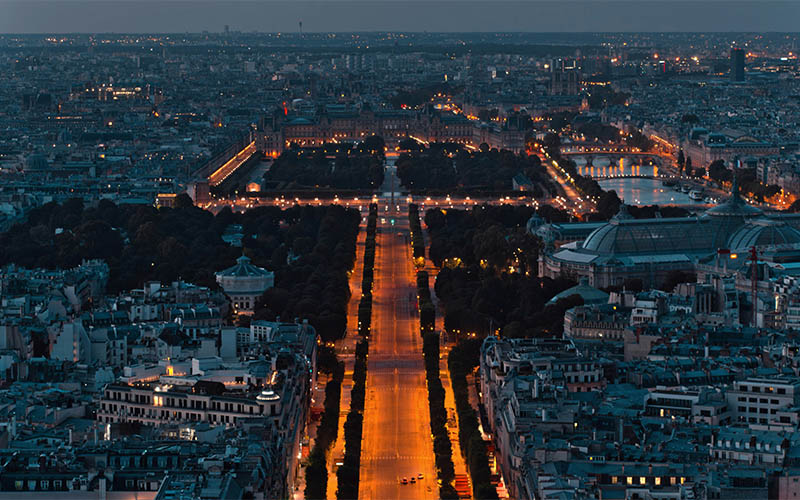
(413, 479)
(404, 480)
(421, 476)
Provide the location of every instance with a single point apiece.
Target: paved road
(397, 441)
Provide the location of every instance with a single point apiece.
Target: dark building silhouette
(737, 65)
(565, 77)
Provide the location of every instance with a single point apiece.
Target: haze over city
(175, 16)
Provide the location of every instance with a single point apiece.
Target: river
(634, 190)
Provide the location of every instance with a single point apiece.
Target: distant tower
(227, 30)
(301, 27)
(737, 64)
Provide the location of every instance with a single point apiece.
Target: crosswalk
(392, 457)
(396, 388)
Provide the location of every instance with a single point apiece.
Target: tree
(552, 143)
(688, 165)
(681, 161)
(718, 173)
(183, 201)
(374, 143)
(608, 204)
(410, 145)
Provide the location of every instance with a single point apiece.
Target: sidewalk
(345, 350)
(459, 463)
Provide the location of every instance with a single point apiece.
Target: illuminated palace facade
(625, 248)
(352, 126)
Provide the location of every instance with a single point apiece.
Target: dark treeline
(486, 170)
(461, 361)
(310, 249)
(348, 473)
(417, 240)
(313, 283)
(442, 447)
(298, 168)
(316, 474)
(488, 278)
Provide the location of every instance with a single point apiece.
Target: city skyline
(399, 261)
(540, 16)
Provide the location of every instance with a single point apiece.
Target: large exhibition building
(625, 248)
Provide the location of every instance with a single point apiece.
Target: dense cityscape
(384, 265)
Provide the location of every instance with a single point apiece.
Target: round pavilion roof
(588, 293)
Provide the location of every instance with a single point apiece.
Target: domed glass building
(649, 249)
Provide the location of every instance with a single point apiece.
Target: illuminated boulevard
(396, 435)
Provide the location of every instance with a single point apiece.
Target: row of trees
(347, 476)
(417, 240)
(488, 277)
(442, 447)
(348, 473)
(316, 474)
(365, 304)
(461, 361)
(316, 168)
(310, 250)
(486, 170)
(311, 275)
(427, 311)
